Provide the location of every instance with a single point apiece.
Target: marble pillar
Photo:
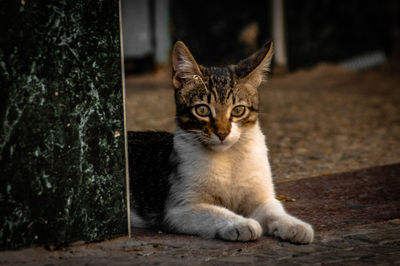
(62, 165)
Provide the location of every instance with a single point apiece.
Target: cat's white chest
(230, 176)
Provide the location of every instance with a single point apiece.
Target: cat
(212, 177)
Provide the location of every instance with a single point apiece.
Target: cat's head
(216, 105)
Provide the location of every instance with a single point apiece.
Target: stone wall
(62, 170)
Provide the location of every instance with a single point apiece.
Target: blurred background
(332, 101)
(222, 32)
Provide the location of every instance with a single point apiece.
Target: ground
(334, 140)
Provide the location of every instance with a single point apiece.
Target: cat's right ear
(184, 66)
(252, 70)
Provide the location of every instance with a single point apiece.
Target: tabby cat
(211, 177)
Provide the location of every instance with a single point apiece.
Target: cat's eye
(238, 111)
(202, 110)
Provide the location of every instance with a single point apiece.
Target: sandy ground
(319, 121)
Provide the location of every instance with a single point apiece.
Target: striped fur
(220, 88)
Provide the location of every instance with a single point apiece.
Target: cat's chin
(223, 146)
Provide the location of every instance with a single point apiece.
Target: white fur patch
(137, 221)
(237, 174)
(231, 172)
(227, 192)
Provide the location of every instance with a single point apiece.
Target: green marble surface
(62, 170)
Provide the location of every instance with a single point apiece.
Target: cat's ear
(184, 66)
(253, 70)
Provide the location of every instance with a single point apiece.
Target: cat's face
(216, 106)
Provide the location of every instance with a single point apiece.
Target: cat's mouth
(214, 142)
(220, 145)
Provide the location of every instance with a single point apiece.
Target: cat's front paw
(245, 230)
(292, 229)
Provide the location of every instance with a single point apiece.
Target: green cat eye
(202, 110)
(238, 111)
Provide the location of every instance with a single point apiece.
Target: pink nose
(221, 135)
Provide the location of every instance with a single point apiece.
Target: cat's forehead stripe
(208, 98)
(229, 94)
(231, 79)
(220, 81)
(214, 93)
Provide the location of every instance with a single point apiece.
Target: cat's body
(212, 177)
(150, 167)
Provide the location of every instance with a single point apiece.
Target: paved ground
(374, 244)
(341, 200)
(355, 216)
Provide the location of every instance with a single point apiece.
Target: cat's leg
(211, 221)
(275, 221)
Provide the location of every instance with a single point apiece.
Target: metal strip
(128, 205)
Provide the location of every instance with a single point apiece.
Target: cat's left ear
(184, 66)
(253, 70)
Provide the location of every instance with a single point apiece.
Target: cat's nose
(222, 135)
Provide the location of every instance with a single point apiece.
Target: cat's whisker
(263, 114)
(171, 118)
(197, 77)
(194, 135)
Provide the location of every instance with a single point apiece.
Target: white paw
(292, 229)
(245, 230)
